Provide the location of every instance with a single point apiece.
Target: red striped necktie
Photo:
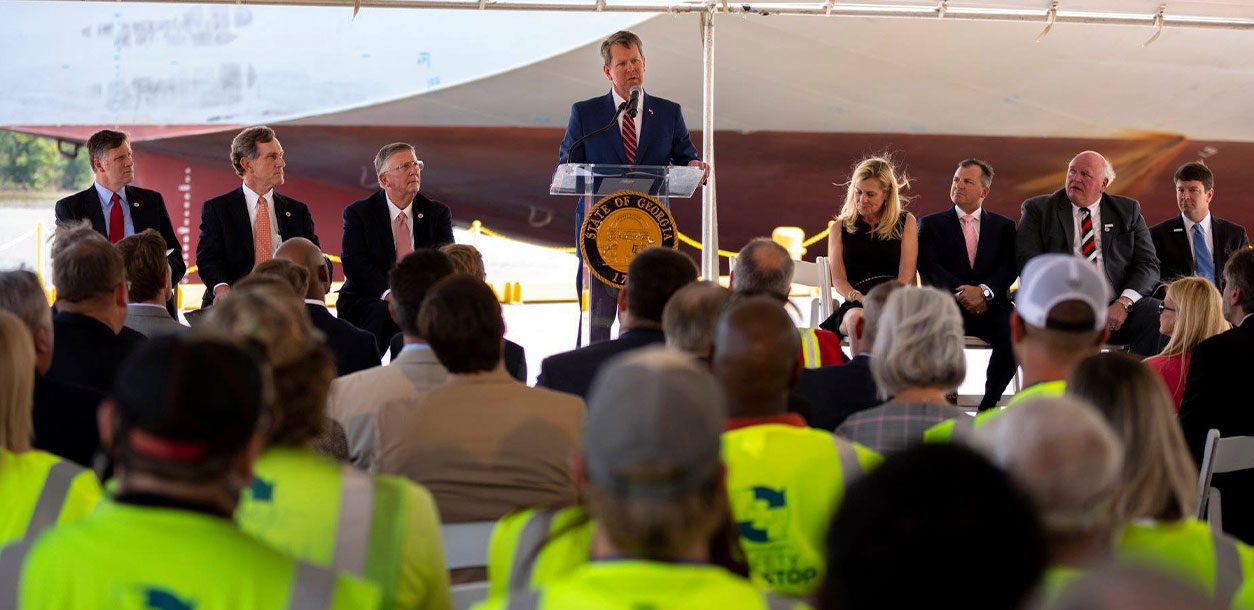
(1088, 246)
(629, 137)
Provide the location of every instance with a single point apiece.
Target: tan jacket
(484, 445)
(355, 399)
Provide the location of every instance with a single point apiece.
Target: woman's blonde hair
(1199, 314)
(17, 380)
(1159, 476)
(893, 181)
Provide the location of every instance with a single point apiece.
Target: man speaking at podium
(655, 135)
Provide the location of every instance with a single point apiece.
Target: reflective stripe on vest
(11, 560)
(524, 600)
(850, 466)
(52, 496)
(313, 588)
(1228, 576)
(533, 536)
(352, 530)
(810, 348)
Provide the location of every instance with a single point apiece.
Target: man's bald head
(305, 253)
(755, 356)
(1088, 175)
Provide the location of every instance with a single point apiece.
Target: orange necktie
(262, 246)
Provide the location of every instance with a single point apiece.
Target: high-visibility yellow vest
(635, 584)
(811, 356)
(963, 428)
(125, 557)
(1054, 581)
(1215, 564)
(38, 490)
(784, 483)
(534, 547)
(382, 528)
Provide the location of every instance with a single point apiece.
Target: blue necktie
(1201, 255)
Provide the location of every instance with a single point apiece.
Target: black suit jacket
(147, 212)
(1175, 257)
(225, 251)
(1047, 225)
(943, 261)
(64, 418)
(1216, 395)
(838, 391)
(354, 348)
(86, 352)
(368, 250)
(572, 372)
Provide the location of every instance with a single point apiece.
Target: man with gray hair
(63, 414)
(1109, 232)
(245, 226)
(690, 315)
(1069, 461)
(380, 230)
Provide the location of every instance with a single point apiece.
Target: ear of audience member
(409, 281)
(690, 315)
(927, 518)
(754, 356)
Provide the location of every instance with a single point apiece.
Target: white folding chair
(466, 546)
(1220, 455)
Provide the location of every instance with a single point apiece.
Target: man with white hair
(1109, 232)
(1068, 460)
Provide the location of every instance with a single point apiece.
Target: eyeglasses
(405, 167)
(1162, 308)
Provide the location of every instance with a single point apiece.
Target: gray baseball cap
(655, 420)
(1050, 279)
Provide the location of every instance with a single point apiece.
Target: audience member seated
(917, 360)
(930, 518)
(690, 315)
(381, 528)
(1176, 239)
(653, 483)
(763, 266)
(874, 240)
(184, 425)
(1217, 393)
(773, 460)
(1069, 461)
(354, 349)
(90, 337)
(467, 259)
(836, 392)
(355, 399)
(1059, 319)
(652, 277)
(148, 284)
(64, 415)
(39, 489)
(1192, 311)
(1158, 496)
(483, 443)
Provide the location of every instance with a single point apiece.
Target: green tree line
(32, 163)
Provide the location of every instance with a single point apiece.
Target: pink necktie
(968, 232)
(629, 137)
(262, 246)
(401, 235)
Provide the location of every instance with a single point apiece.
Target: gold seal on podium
(618, 227)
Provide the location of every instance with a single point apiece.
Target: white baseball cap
(1050, 279)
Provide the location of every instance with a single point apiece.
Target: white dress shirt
(1078, 243)
(1206, 231)
(618, 100)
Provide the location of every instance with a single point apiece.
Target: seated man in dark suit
(1107, 230)
(64, 415)
(148, 285)
(354, 348)
(245, 226)
(90, 337)
(652, 277)
(114, 166)
(969, 252)
(1196, 242)
(380, 230)
(1216, 393)
(838, 391)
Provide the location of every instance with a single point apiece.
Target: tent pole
(709, 193)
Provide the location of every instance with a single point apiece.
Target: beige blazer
(484, 445)
(355, 399)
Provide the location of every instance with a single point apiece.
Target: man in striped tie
(651, 133)
(1109, 232)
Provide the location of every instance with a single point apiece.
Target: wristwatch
(988, 294)
(1127, 307)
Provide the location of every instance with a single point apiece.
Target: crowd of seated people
(713, 455)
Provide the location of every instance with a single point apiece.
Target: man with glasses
(380, 230)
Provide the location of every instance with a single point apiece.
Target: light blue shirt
(106, 206)
(415, 347)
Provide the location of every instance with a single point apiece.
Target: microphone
(635, 98)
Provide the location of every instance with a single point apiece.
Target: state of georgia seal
(618, 227)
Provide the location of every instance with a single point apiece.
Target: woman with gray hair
(916, 360)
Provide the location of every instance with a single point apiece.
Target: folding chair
(1221, 455)
(816, 275)
(466, 546)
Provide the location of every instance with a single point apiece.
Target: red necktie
(117, 228)
(1088, 246)
(629, 137)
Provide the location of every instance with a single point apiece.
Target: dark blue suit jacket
(1175, 257)
(572, 372)
(354, 348)
(837, 391)
(147, 212)
(663, 138)
(368, 251)
(225, 251)
(86, 352)
(943, 261)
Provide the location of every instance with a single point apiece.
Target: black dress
(869, 259)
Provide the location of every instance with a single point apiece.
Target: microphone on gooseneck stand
(634, 101)
(635, 94)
